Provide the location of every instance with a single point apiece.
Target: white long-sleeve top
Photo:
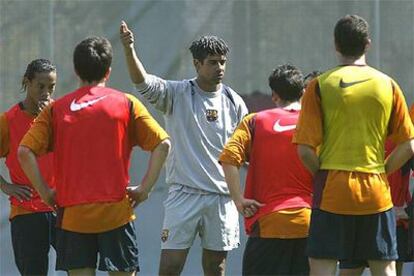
(199, 124)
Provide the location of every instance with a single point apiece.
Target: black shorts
(117, 250)
(352, 237)
(271, 256)
(405, 250)
(403, 247)
(32, 235)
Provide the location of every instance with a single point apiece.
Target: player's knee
(170, 267)
(214, 266)
(172, 261)
(215, 269)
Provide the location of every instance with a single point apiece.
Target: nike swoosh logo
(279, 128)
(343, 84)
(78, 106)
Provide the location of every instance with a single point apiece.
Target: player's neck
(288, 105)
(343, 60)
(207, 86)
(92, 83)
(30, 107)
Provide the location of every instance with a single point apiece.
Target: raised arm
(135, 68)
(157, 91)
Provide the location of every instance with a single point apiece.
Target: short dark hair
(208, 45)
(40, 65)
(351, 35)
(92, 58)
(310, 76)
(287, 82)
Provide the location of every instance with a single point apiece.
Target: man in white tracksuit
(200, 116)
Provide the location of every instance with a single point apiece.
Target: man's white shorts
(213, 217)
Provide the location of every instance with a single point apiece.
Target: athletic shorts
(32, 235)
(213, 217)
(271, 256)
(405, 253)
(352, 237)
(117, 250)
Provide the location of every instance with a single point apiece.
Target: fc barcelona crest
(211, 115)
(164, 235)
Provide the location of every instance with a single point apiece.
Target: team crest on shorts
(211, 115)
(164, 235)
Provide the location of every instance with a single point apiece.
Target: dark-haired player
(200, 115)
(92, 132)
(32, 221)
(348, 111)
(278, 193)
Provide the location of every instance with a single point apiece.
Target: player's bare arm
(399, 156)
(21, 192)
(310, 160)
(138, 194)
(136, 70)
(30, 167)
(247, 207)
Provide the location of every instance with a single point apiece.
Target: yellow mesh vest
(356, 103)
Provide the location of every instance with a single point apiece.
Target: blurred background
(261, 33)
